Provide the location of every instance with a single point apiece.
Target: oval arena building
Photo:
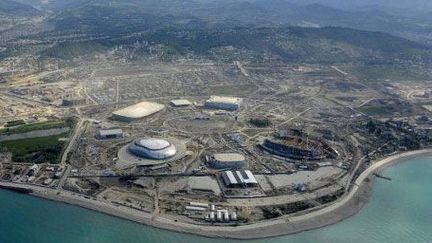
(152, 148)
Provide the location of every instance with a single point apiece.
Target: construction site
(266, 141)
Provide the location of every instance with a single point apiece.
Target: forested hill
(12, 8)
(294, 44)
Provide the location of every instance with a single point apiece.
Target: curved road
(280, 226)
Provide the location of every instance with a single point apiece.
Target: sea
(399, 210)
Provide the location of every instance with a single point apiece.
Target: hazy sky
(423, 5)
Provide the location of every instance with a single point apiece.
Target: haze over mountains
(9, 7)
(408, 19)
(355, 4)
(313, 31)
(347, 4)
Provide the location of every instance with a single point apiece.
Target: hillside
(237, 13)
(292, 44)
(229, 29)
(9, 7)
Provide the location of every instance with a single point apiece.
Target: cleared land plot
(280, 181)
(263, 182)
(234, 89)
(198, 183)
(373, 73)
(374, 110)
(204, 183)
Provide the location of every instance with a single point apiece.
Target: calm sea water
(399, 211)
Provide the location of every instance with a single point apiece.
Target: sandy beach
(342, 208)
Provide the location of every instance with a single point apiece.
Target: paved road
(70, 145)
(64, 177)
(72, 141)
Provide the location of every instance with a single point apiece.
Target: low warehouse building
(110, 133)
(223, 103)
(226, 161)
(246, 178)
(229, 179)
(180, 103)
(239, 179)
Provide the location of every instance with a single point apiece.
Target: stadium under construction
(298, 146)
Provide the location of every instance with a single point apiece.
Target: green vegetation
(316, 45)
(363, 39)
(170, 51)
(16, 8)
(260, 122)
(374, 110)
(36, 150)
(270, 212)
(327, 45)
(69, 50)
(374, 73)
(330, 197)
(38, 126)
(392, 135)
(15, 123)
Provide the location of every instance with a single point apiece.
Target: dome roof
(153, 148)
(153, 143)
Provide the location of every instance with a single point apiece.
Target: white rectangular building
(198, 204)
(110, 133)
(223, 103)
(243, 178)
(248, 178)
(180, 102)
(229, 179)
(193, 208)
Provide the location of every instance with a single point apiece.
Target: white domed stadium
(152, 148)
(150, 152)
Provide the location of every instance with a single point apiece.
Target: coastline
(339, 210)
